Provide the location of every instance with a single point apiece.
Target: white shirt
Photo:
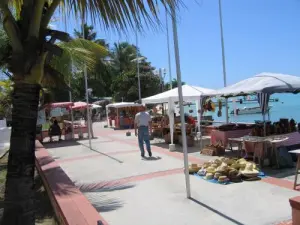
(142, 119)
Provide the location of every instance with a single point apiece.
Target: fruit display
(283, 126)
(225, 170)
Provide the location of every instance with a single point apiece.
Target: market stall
(190, 93)
(121, 115)
(80, 125)
(281, 133)
(59, 111)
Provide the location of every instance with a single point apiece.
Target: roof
(190, 93)
(263, 83)
(60, 105)
(80, 105)
(123, 104)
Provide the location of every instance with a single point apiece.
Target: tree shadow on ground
(60, 144)
(95, 192)
(43, 205)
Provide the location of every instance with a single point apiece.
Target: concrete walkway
(128, 190)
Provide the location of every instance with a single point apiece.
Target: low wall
(70, 205)
(295, 204)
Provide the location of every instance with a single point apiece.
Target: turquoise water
(288, 106)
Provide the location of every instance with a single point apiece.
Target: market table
(289, 140)
(297, 152)
(223, 136)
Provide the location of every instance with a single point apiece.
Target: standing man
(143, 128)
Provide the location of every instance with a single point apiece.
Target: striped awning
(263, 101)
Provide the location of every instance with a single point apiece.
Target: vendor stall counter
(122, 114)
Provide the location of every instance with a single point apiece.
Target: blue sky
(259, 35)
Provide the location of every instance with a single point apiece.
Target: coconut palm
(32, 46)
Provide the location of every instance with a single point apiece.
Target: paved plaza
(126, 189)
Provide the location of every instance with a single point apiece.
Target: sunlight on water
(288, 106)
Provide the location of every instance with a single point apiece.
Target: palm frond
(76, 54)
(121, 14)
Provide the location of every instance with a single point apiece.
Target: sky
(259, 36)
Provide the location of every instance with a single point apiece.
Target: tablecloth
(222, 136)
(293, 139)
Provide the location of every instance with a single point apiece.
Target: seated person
(189, 119)
(54, 130)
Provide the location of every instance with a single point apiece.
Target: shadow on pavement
(216, 211)
(60, 144)
(152, 158)
(113, 158)
(100, 201)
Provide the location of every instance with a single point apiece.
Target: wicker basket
(213, 150)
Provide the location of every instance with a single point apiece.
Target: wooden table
(239, 142)
(218, 136)
(297, 152)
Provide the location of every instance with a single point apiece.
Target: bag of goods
(249, 170)
(223, 179)
(202, 172)
(210, 170)
(242, 162)
(217, 175)
(194, 168)
(234, 176)
(209, 176)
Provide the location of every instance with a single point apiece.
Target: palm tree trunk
(19, 192)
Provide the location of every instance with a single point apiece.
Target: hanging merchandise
(220, 104)
(209, 106)
(41, 117)
(56, 112)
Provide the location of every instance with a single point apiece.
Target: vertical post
(70, 92)
(183, 130)
(87, 93)
(223, 58)
(70, 96)
(168, 44)
(138, 64)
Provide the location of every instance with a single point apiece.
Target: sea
(288, 106)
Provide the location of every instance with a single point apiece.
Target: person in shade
(54, 130)
(143, 128)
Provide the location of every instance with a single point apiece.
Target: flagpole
(183, 130)
(168, 44)
(87, 93)
(223, 58)
(137, 64)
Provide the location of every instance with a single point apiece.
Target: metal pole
(223, 58)
(137, 65)
(168, 44)
(70, 96)
(87, 93)
(70, 93)
(183, 131)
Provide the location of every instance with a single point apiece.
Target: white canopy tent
(268, 83)
(263, 84)
(189, 93)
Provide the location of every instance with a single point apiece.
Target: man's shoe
(150, 153)
(143, 155)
